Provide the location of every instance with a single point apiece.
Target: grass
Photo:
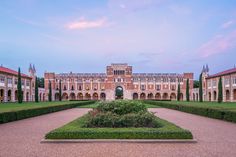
(75, 130)
(9, 107)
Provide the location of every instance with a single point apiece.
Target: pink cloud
(85, 24)
(219, 44)
(227, 24)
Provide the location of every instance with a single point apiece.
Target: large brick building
(8, 85)
(119, 82)
(210, 85)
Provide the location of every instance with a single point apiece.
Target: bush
(203, 111)
(22, 114)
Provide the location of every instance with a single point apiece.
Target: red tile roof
(226, 72)
(13, 72)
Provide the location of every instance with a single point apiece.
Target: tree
(200, 88)
(187, 90)
(19, 88)
(220, 94)
(178, 94)
(36, 96)
(60, 93)
(50, 91)
(40, 82)
(196, 84)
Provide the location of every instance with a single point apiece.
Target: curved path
(22, 138)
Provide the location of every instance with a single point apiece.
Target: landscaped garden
(225, 110)
(14, 111)
(119, 119)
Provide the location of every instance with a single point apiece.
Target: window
(234, 80)
(27, 83)
(64, 87)
(143, 87)
(22, 82)
(180, 79)
(158, 87)
(135, 79)
(165, 79)
(214, 83)
(226, 81)
(172, 80)
(9, 80)
(173, 87)
(16, 81)
(80, 87)
(209, 83)
(2, 79)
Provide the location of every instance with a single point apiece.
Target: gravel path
(22, 138)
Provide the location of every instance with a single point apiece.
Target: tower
(32, 73)
(205, 74)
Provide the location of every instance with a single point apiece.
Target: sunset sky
(86, 35)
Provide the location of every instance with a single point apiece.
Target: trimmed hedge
(26, 113)
(75, 130)
(211, 112)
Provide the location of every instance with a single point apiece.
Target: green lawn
(76, 130)
(8, 107)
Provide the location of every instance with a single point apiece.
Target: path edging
(118, 140)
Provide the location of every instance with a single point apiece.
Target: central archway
(119, 92)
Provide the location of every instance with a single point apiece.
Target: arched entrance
(142, 96)
(95, 96)
(150, 96)
(103, 96)
(181, 96)
(27, 96)
(16, 95)
(64, 96)
(9, 95)
(72, 96)
(57, 95)
(234, 94)
(158, 96)
(119, 92)
(209, 98)
(87, 96)
(1, 95)
(80, 96)
(214, 95)
(135, 96)
(193, 97)
(172, 96)
(227, 95)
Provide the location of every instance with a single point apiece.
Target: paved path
(22, 138)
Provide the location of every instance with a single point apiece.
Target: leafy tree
(36, 90)
(178, 92)
(50, 91)
(220, 94)
(200, 88)
(60, 93)
(187, 90)
(196, 84)
(40, 82)
(19, 88)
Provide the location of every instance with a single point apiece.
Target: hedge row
(75, 130)
(27, 113)
(212, 112)
(141, 134)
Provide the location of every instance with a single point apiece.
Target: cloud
(86, 24)
(227, 24)
(218, 45)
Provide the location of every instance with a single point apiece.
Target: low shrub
(210, 112)
(26, 113)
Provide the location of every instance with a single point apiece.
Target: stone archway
(172, 96)
(142, 96)
(119, 92)
(135, 96)
(80, 96)
(227, 93)
(2, 95)
(27, 96)
(9, 95)
(150, 96)
(194, 99)
(234, 94)
(103, 96)
(158, 96)
(72, 96)
(95, 96)
(87, 96)
(209, 96)
(214, 95)
(65, 96)
(57, 96)
(165, 96)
